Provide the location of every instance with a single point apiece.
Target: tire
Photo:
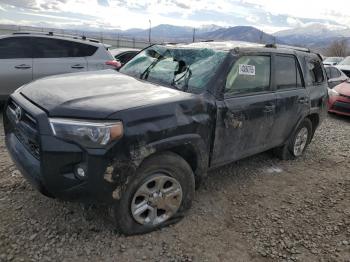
(287, 151)
(161, 173)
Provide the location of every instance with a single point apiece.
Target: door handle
(23, 66)
(303, 100)
(269, 109)
(78, 66)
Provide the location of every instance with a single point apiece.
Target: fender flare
(192, 141)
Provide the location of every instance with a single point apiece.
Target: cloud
(103, 2)
(294, 22)
(27, 4)
(268, 14)
(181, 4)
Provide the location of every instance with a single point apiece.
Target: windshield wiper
(186, 77)
(145, 74)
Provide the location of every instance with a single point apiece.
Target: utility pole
(194, 34)
(149, 32)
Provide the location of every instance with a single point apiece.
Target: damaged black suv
(142, 139)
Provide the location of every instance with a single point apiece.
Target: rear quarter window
(314, 74)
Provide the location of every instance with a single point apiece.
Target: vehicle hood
(96, 95)
(343, 88)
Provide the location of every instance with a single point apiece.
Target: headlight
(332, 92)
(86, 133)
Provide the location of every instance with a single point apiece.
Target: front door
(246, 115)
(16, 64)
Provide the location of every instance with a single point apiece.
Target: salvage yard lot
(258, 209)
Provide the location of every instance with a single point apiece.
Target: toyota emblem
(18, 114)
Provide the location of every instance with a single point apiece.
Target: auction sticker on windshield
(247, 70)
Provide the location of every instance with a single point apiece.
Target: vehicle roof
(79, 39)
(244, 46)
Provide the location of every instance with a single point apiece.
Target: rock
(32, 237)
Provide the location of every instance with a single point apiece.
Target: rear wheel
(297, 143)
(158, 195)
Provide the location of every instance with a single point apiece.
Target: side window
(287, 73)
(85, 50)
(335, 73)
(124, 58)
(249, 74)
(314, 73)
(15, 47)
(57, 48)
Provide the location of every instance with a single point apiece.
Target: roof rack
(307, 50)
(83, 37)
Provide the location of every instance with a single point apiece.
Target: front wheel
(158, 195)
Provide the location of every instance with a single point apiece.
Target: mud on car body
(142, 139)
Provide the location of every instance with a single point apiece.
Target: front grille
(341, 107)
(24, 127)
(31, 146)
(26, 117)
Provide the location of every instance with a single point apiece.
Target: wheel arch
(190, 147)
(315, 120)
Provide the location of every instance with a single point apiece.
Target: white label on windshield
(248, 70)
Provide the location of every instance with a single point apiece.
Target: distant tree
(338, 48)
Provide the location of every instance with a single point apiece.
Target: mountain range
(314, 35)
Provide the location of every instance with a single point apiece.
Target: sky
(268, 15)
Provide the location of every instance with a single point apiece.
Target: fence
(113, 39)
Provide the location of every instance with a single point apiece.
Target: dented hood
(96, 94)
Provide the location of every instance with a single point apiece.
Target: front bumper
(339, 105)
(51, 166)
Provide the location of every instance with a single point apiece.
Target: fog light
(80, 172)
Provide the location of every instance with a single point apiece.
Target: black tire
(286, 152)
(171, 164)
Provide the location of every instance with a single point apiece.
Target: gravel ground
(258, 209)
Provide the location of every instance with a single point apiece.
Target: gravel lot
(259, 209)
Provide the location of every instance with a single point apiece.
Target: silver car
(28, 56)
(331, 61)
(335, 76)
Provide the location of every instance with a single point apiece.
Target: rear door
(292, 97)
(16, 64)
(56, 56)
(246, 115)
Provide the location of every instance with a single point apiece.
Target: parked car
(124, 55)
(345, 66)
(27, 56)
(331, 61)
(141, 140)
(339, 99)
(334, 76)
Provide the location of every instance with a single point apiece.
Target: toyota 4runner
(142, 139)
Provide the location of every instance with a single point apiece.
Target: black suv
(142, 139)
